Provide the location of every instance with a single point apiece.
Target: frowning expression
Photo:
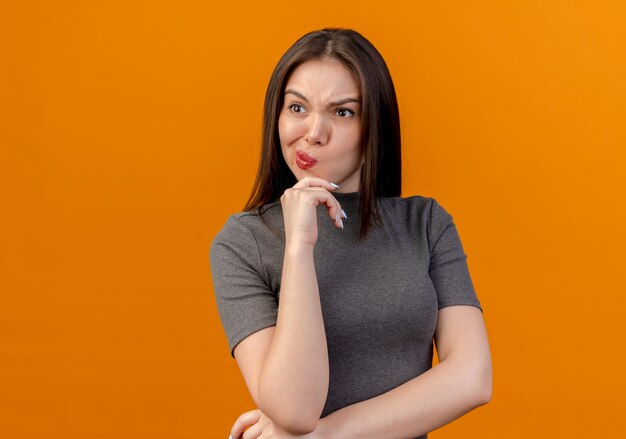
(319, 124)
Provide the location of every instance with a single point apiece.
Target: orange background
(130, 130)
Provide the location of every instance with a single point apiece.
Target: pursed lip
(304, 161)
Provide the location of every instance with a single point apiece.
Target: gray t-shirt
(379, 296)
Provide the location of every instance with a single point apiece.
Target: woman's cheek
(289, 130)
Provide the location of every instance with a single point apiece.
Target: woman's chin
(301, 173)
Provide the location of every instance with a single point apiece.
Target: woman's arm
(286, 367)
(294, 380)
(459, 383)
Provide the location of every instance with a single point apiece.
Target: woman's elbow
(483, 386)
(484, 394)
(476, 382)
(295, 420)
(297, 426)
(305, 427)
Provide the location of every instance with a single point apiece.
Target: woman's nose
(318, 130)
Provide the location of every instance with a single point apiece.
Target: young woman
(330, 286)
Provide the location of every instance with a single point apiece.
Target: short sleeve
(244, 301)
(448, 268)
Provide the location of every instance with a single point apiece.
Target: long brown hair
(381, 174)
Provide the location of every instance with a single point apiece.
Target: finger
(335, 213)
(244, 420)
(253, 432)
(332, 205)
(314, 181)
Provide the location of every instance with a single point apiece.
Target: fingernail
(230, 436)
(344, 214)
(336, 186)
(341, 223)
(337, 217)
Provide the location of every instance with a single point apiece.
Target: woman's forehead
(323, 80)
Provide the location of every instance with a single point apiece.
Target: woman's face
(319, 125)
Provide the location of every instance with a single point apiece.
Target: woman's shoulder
(425, 207)
(242, 225)
(259, 215)
(411, 202)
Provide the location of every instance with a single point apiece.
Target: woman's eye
(344, 112)
(296, 108)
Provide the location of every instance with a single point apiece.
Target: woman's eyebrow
(295, 93)
(344, 101)
(331, 104)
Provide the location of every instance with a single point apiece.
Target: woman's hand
(262, 427)
(300, 209)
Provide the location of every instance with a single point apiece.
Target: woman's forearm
(294, 380)
(423, 404)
